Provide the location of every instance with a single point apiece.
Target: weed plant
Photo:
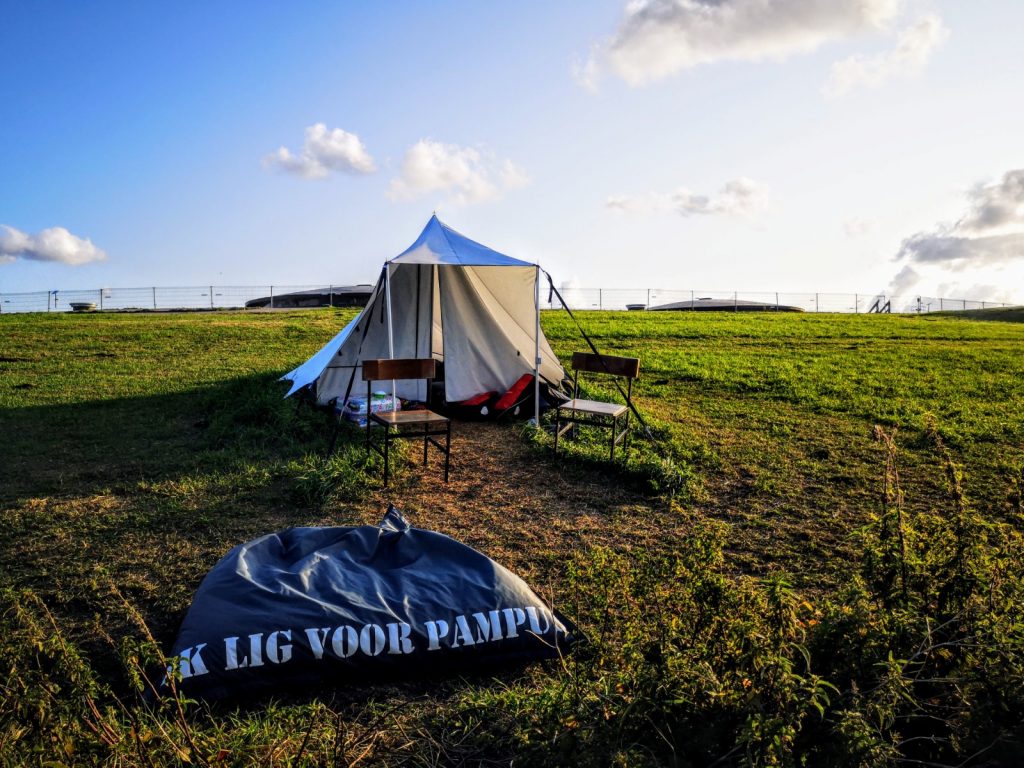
(919, 659)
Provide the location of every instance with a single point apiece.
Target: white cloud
(858, 226)
(53, 244)
(990, 232)
(587, 72)
(513, 177)
(987, 240)
(739, 197)
(323, 151)
(572, 284)
(467, 174)
(962, 252)
(913, 49)
(997, 207)
(658, 38)
(903, 281)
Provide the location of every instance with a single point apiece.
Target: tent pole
(391, 334)
(536, 348)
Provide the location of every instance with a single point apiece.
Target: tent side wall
(489, 319)
(522, 309)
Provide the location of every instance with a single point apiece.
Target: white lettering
(256, 650)
(231, 654)
(435, 631)
(317, 637)
(345, 641)
(398, 638)
(462, 631)
(190, 662)
(488, 626)
(374, 645)
(536, 614)
(282, 654)
(514, 618)
(374, 639)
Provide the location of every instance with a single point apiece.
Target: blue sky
(785, 145)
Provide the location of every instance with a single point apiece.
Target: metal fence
(156, 298)
(644, 298)
(282, 296)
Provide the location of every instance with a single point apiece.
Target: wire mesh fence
(762, 301)
(168, 298)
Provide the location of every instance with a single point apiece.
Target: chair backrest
(627, 367)
(403, 368)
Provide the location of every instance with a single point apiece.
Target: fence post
(856, 304)
(776, 301)
(965, 303)
(735, 301)
(983, 305)
(648, 298)
(101, 298)
(154, 297)
(817, 308)
(271, 297)
(600, 298)
(48, 300)
(692, 307)
(941, 306)
(330, 296)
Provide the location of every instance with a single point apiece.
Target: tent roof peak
(440, 244)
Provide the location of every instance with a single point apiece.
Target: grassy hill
(819, 558)
(1001, 314)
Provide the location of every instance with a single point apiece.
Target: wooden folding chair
(595, 412)
(423, 423)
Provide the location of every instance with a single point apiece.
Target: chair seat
(595, 407)
(399, 418)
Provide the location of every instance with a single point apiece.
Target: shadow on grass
(147, 493)
(89, 447)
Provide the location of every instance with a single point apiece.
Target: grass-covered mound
(818, 562)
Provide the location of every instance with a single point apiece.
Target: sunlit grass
(136, 449)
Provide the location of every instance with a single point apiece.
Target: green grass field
(763, 613)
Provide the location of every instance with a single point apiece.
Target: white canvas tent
(449, 298)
